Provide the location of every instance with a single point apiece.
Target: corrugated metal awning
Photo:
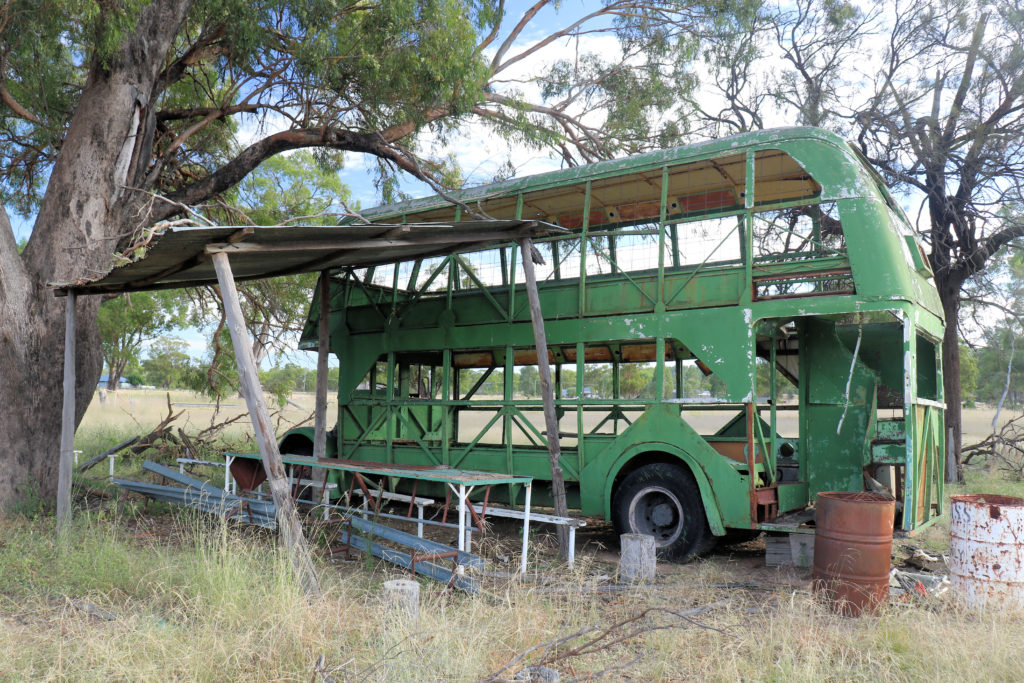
(180, 256)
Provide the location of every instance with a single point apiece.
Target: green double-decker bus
(776, 263)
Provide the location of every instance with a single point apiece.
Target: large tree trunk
(31, 374)
(81, 220)
(949, 294)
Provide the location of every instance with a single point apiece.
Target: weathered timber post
(67, 426)
(320, 409)
(550, 419)
(287, 518)
(403, 596)
(637, 558)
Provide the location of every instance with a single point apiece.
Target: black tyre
(663, 500)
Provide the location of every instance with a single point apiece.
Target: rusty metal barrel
(852, 548)
(986, 550)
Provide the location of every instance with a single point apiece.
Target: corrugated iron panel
(178, 257)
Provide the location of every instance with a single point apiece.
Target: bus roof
(613, 167)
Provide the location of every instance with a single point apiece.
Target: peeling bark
(80, 223)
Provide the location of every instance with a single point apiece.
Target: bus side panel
(661, 430)
(837, 410)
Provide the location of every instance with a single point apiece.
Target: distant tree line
(168, 365)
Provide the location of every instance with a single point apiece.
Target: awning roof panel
(180, 257)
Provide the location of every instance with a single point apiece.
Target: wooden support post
(287, 519)
(402, 599)
(320, 410)
(67, 426)
(637, 559)
(550, 419)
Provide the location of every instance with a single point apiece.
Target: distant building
(122, 383)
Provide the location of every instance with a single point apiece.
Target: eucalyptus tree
(930, 91)
(120, 116)
(946, 123)
(127, 321)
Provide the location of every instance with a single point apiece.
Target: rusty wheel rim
(656, 511)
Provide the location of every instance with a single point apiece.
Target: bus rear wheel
(663, 500)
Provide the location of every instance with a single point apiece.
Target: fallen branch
(110, 451)
(596, 639)
(1005, 447)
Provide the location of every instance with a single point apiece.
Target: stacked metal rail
(202, 496)
(423, 558)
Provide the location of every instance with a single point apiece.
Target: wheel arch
(648, 453)
(304, 436)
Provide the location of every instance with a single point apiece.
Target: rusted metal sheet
(852, 548)
(987, 550)
(473, 359)
(591, 354)
(248, 474)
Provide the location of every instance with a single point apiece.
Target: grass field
(162, 595)
(137, 411)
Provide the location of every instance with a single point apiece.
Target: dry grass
(192, 600)
(136, 411)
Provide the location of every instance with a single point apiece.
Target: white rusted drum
(987, 550)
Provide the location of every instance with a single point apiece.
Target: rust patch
(852, 547)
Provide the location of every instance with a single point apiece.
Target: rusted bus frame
(922, 418)
(402, 415)
(700, 267)
(662, 215)
(464, 453)
(422, 290)
(666, 226)
(373, 424)
(508, 388)
(615, 414)
(768, 455)
(751, 462)
(818, 277)
(484, 289)
(615, 268)
(928, 462)
(909, 419)
(779, 206)
(773, 381)
(726, 288)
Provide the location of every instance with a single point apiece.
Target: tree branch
(988, 247)
(205, 48)
(198, 112)
(516, 30)
(965, 80)
(376, 144)
(16, 106)
(500, 13)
